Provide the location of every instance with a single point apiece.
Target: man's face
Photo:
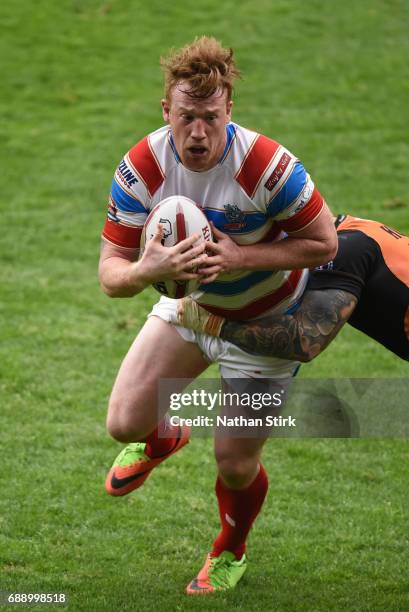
(198, 126)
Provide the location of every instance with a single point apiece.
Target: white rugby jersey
(257, 193)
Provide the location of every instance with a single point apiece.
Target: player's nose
(198, 131)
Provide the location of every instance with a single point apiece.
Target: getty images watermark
(288, 408)
(243, 408)
(211, 401)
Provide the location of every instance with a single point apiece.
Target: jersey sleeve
(294, 200)
(332, 279)
(356, 258)
(127, 205)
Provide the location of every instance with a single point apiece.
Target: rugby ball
(180, 217)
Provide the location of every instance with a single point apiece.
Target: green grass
(80, 85)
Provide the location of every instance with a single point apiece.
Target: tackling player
(257, 192)
(367, 285)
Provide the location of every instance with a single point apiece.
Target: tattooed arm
(301, 336)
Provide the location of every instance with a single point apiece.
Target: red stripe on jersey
(271, 235)
(180, 290)
(122, 235)
(256, 163)
(259, 306)
(147, 166)
(306, 215)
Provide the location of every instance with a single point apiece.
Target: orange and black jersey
(372, 263)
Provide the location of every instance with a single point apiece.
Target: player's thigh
(158, 352)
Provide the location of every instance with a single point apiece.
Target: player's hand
(179, 262)
(225, 256)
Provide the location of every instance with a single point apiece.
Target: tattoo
(301, 336)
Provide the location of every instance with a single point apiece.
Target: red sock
(238, 509)
(158, 445)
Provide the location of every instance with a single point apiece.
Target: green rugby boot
(218, 574)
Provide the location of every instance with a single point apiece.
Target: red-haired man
(257, 192)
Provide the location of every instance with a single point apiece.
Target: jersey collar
(230, 135)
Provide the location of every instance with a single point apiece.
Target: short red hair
(204, 64)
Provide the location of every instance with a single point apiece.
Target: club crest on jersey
(235, 216)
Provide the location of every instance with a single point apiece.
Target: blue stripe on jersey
(124, 201)
(173, 146)
(230, 133)
(238, 286)
(293, 187)
(248, 221)
(293, 308)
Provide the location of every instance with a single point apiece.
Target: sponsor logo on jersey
(304, 198)
(278, 172)
(126, 175)
(235, 216)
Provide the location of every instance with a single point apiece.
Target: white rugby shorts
(233, 362)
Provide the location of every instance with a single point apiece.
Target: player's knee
(125, 425)
(119, 430)
(237, 472)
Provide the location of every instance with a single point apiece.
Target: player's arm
(298, 208)
(301, 336)
(121, 274)
(310, 247)
(117, 271)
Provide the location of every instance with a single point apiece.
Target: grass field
(80, 85)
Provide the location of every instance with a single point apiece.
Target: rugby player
(366, 285)
(257, 192)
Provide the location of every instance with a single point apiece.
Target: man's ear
(165, 109)
(228, 109)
